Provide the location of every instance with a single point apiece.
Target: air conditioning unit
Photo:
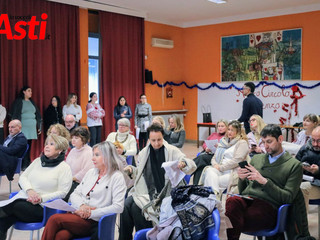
(161, 43)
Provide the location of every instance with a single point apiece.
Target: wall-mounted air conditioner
(161, 43)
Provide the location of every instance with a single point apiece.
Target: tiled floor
(190, 150)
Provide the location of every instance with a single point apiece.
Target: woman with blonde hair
(48, 177)
(255, 143)
(176, 133)
(102, 191)
(72, 107)
(59, 130)
(232, 149)
(159, 120)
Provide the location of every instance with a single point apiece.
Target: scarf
(46, 162)
(153, 173)
(121, 137)
(223, 145)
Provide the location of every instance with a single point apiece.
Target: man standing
(251, 105)
(271, 180)
(70, 122)
(13, 148)
(149, 179)
(310, 154)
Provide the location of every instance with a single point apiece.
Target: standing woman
(94, 115)
(122, 110)
(72, 107)
(25, 110)
(53, 113)
(101, 192)
(3, 114)
(142, 120)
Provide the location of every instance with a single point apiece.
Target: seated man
(149, 178)
(70, 122)
(271, 180)
(13, 148)
(310, 153)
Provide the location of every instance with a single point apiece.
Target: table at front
(208, 125)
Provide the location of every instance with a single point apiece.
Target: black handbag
(206, 114)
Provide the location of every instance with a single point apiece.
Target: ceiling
(190, 13)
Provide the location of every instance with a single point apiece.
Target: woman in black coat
(53, 114)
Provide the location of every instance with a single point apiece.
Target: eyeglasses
(315, 141)
(121, 125)
(252, 120)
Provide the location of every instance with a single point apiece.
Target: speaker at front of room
(148, 76)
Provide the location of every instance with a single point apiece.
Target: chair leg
(31, 235)
(285, 235)
(10, 190)
(264, 238)
(10, 234)
(38, 234)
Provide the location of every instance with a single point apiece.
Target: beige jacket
(139, 192)
(241, 153)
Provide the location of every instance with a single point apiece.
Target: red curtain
(50, 67)
(122, 63)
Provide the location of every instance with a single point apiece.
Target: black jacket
(52, 115)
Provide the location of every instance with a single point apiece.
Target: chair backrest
(213, 233)
(18, 168)
(107, 226)
(282, 217)
(129, 159)
(187, 178)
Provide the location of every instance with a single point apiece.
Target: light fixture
(218, 1)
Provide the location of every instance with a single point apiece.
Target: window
(94, 62)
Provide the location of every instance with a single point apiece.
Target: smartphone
(243, 164)
(305, 164)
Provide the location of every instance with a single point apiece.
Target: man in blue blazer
(13, 148)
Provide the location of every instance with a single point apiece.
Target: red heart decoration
(275, 110)
(237, 100)
(258, 38)
(251, 41)
(278, 38)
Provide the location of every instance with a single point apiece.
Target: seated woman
(310, 121)
(204, 159)
(79, 158)
(62, 131)
(101, 192)
(48, 177)
(175, 133)
(124, 137)
(232, 149)
(159, 120)
(255, 143)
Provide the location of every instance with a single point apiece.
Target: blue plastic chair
(47, 213)
(279, 228)
(187, 178)
(129, 159)
(18, 168)
(213, 233)
(106, 228)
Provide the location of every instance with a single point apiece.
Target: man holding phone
(270, 180)
(309, 155)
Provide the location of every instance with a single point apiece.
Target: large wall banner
(283, 102)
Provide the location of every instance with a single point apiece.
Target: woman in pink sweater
(79, 157)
